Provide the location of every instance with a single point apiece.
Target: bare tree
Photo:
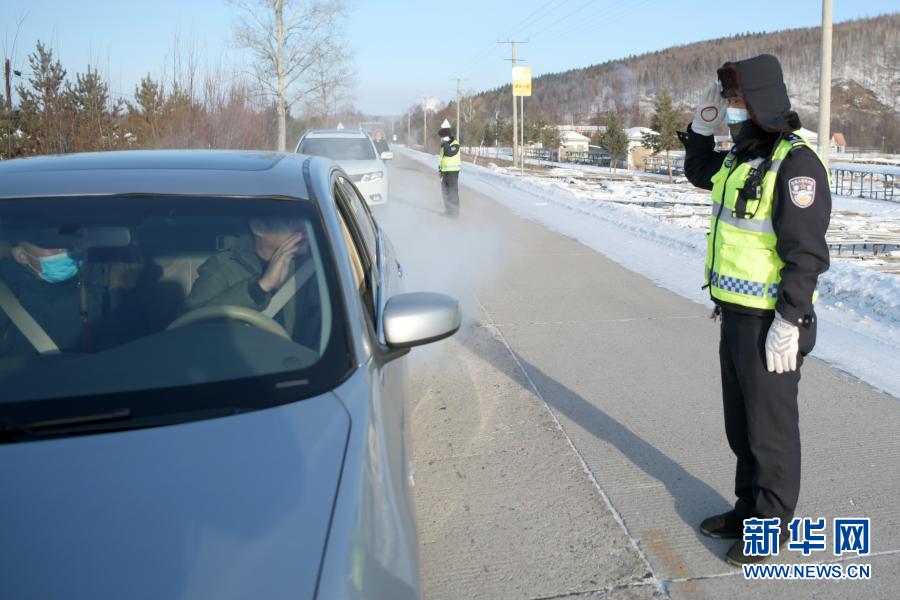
(288, 38)
(472, 131)
(330, 83)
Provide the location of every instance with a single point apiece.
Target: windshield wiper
(79, 420)
(116, 420)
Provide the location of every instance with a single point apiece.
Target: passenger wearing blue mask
(52, 265)
(766, 249)
(44, 278)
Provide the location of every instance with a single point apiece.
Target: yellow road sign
(521, 81)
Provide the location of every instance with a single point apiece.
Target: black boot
(736, 557)
(724, 526)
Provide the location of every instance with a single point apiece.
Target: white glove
(710, 112)
(782, 346)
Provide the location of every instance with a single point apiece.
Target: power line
(534, 16)
(615, 12)
(544, 10)
(478, 56)
(577, 10)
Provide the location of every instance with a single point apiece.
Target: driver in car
(41, 276)
(253, 271)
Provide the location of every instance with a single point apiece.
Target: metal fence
(658, 164)
(588, 158)
(542, 154)
(865, 181)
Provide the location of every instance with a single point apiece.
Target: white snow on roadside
(859, 309)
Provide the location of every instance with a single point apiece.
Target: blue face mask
(733, 116)
(57, 268)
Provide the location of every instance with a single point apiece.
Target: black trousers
(450, 192)
(761, 418)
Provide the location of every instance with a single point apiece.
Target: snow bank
(859, 309)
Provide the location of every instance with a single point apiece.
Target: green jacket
(231, 278)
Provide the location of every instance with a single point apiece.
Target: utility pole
(825, 84)
(512, 44)
(458, 80)
(409, 128)
(522, 100)
(424, 125)
(7, 72)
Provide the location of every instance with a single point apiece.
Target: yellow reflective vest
(451, 163)
(742, 264)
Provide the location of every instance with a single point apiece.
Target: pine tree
(550, 138)
(145, 113)
(95, 117)
(488, 134)
(614, 141)
(46, 108)
(665, 125)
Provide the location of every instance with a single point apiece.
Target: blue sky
(404, 49)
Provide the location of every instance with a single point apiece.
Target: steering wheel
(237, 313)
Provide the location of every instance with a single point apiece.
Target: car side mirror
(387, 156)
(420, 318)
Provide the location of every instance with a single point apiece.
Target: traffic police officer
(766, 248)
(449, 167)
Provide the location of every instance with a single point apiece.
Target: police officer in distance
(765, 251)
(449, 167)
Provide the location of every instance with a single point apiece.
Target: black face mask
(750, 139)
(741, 132)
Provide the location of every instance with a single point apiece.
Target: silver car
(172, 425)
(356, 153)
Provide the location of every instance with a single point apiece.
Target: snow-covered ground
(638, 225)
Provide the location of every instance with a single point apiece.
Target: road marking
(584, 466)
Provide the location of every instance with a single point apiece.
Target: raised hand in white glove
(782, 346)
(710, 112)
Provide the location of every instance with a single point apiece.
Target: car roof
(335, 133)
(156, 172)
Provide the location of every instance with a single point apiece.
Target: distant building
(587, 130)
(572, 142)
(636, 151)
(838, 142)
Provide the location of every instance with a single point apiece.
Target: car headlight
(373, 176)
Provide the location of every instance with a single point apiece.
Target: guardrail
(876, 182)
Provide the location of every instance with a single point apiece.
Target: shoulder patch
(803, 191)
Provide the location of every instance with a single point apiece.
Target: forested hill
(865, 72)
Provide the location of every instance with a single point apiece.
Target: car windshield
(111, 297)
(338, 148)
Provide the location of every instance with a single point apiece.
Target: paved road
(569, 439)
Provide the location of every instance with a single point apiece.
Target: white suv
(355, 152)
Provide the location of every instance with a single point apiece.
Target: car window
(359, 273)
(359, 212)
(344, 148)
(360, 259)
(116, 296)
